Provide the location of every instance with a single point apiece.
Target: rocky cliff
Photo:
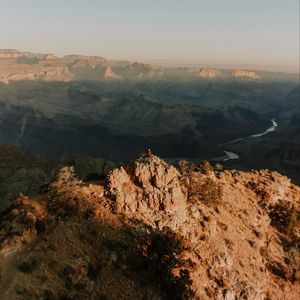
(209, 73)
(109, 74)
(245, 74)
(17, 66)
(48, 74)
(154, 232)
(12, 53)
(23, 66)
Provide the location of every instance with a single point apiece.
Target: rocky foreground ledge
(154, 232)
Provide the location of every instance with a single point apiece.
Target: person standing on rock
(149, 153)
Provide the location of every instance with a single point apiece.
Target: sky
(258, 34)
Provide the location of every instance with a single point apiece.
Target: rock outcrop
(49, 74)
(109, 74)
(150, 190)
(19, 66)
(12, 53)
(9, 53)
(245, 74)
(209, 73)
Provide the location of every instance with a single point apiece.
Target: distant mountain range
(16, 66)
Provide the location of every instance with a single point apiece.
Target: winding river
(231, 155)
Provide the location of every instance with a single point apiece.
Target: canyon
(114, 110)
(84, 214)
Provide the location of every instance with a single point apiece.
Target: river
(231, 155)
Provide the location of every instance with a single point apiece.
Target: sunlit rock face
(245, 74)
(109, 74)
(209, 73)
(151, 189)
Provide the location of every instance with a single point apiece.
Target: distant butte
(209, 73)
(245, 74)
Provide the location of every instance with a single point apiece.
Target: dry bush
(294, 225)
(67, 196)
(183, 167)
(153, 257)
(285, 218)
(263, 196)
(163, 253)
(278, 269)
(66, 177)
(206, 191)
(204, 168)
(293, 259)
(218, 167)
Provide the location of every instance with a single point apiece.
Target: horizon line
(164, 62)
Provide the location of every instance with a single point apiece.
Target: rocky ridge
(12, 53)
(19, 66)
(153, 231)
(49, 74)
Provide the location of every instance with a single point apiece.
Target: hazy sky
(254, 33)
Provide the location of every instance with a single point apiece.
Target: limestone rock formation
(245, 74)
(13, 54)
(109, 74)
(19, 66)
(209, 73)
(49, 74)
(151, 190)
(145, 71)
(9, 53)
